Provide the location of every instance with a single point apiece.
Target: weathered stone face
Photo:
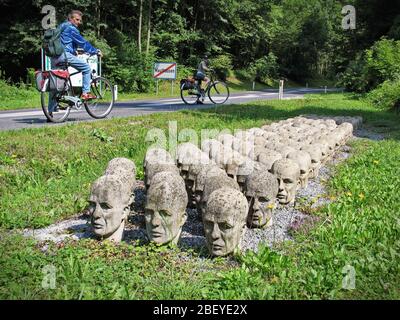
(324, 150)
(288, 174)
(261, 191)
(165, 210)
(153, 168)
(109, 206)
(186, 154)
(224, 221)
(316, 156)
(213, 183)
(303, 159)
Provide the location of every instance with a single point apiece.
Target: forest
(300, 40)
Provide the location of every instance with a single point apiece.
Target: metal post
(254, 85)
(42, 56)
(325, 89)
(157, 87)
(172, 87)
(116, 92)
(280, 96)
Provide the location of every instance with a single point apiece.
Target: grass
(45, 176)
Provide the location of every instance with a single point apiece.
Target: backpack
(51, 42)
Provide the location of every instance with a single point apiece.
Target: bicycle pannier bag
(58, 80)
(40, 80)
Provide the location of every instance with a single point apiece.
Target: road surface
(33, 118)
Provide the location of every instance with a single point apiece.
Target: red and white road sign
(164, 70)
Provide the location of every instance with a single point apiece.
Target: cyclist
(202, 68)
(71, 39)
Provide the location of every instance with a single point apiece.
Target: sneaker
(200, 102)
(88, 96)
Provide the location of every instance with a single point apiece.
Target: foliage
(222, 64)
(265, 68)
(386, 95)
(305, 36)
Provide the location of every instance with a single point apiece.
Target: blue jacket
(72, 39)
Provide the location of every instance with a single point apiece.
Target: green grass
(45, 176)
(22, 97)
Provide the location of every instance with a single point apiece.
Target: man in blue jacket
(72, 40)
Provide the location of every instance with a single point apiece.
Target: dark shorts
(200, 75)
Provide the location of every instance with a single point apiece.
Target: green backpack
(51, 42)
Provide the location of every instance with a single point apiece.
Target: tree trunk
(148, 28)
(140, 26)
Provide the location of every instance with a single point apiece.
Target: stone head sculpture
(268, 157)
(316, 156)
(224, 221)
(303, 159)
(186, 154)
(213, 183)
(109, 206)
(124, 168)
(153, 168)
(261, 191)
(165, 210)
(288, 174)
(157, 155)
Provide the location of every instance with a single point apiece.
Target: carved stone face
(288, 173)
(224, 221)
(303, 159)
(214, 183)
(316, 156)
(261, 192)
(185, 155)
(109, 206)
(165, 210)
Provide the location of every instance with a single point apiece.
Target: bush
(386, 96)
(222, 64)
(378, 64)
(265, 68)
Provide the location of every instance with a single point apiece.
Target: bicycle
(98, 108)
(217, 91)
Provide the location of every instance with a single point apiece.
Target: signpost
(165, 71)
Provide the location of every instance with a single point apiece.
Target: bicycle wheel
(190, 96)
(101, 106)
(219, 92)
(62, 110)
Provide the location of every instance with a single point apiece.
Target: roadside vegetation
(45, 176)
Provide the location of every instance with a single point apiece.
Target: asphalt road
(33, 118)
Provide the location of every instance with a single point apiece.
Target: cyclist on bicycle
(71, 39)
(202, 68)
